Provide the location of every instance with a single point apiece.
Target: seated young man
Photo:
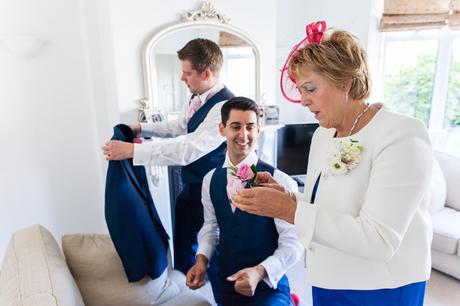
(255, 251)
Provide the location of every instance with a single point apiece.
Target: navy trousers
(189, 219)
(263, 296)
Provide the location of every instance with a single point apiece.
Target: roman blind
(400, 15)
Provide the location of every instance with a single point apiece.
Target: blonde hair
(339, 58)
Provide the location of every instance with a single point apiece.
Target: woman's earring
(346, 96)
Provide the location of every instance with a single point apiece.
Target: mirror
(164, 92)
(237, 73)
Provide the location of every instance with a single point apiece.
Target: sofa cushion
(450, 166)
(446, 230)
(438, 188)
(99, 274)
(34, 272)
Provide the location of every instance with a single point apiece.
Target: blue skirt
(408, 295)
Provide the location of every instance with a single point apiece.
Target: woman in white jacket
(363, 217)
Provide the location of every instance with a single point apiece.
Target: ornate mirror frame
(205, 17)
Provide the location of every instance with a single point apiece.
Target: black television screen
(293, 147)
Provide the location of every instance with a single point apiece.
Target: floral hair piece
(315, 34)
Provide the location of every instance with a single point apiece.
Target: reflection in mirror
(163, 91)
(238, 71)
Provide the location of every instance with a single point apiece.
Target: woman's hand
(265, 179)
(266, 201)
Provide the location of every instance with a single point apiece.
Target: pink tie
(194, 105)
(234, 184)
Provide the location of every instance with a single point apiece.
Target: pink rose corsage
(240, 177)
(246, 173)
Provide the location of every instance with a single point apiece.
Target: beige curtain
(401, 15)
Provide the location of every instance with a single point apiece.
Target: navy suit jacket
(134, 225)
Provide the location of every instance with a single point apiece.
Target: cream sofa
(36, 273)
(445, 210)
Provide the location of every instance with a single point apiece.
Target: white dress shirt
(369, 228)
(183, 148)
(289, 248)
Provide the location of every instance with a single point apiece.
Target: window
(452, 116)
(420, 77)
(239, 72)
(409, 76)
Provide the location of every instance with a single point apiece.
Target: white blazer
(369, 228)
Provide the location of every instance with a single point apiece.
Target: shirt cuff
(142, 153)
(274, 270)
(145, 128)
(205, 249)
(305, 219)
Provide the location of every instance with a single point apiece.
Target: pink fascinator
(315, 34)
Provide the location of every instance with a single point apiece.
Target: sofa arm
(450, 166)
(35, 273)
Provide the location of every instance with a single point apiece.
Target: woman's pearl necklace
(358, 117)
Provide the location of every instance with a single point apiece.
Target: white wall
(52, 170)
(374, 50)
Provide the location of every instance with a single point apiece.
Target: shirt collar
(211, 92)
(251, 159)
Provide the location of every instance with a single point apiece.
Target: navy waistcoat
(132, 219)
(245, 239)
(193, 173)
